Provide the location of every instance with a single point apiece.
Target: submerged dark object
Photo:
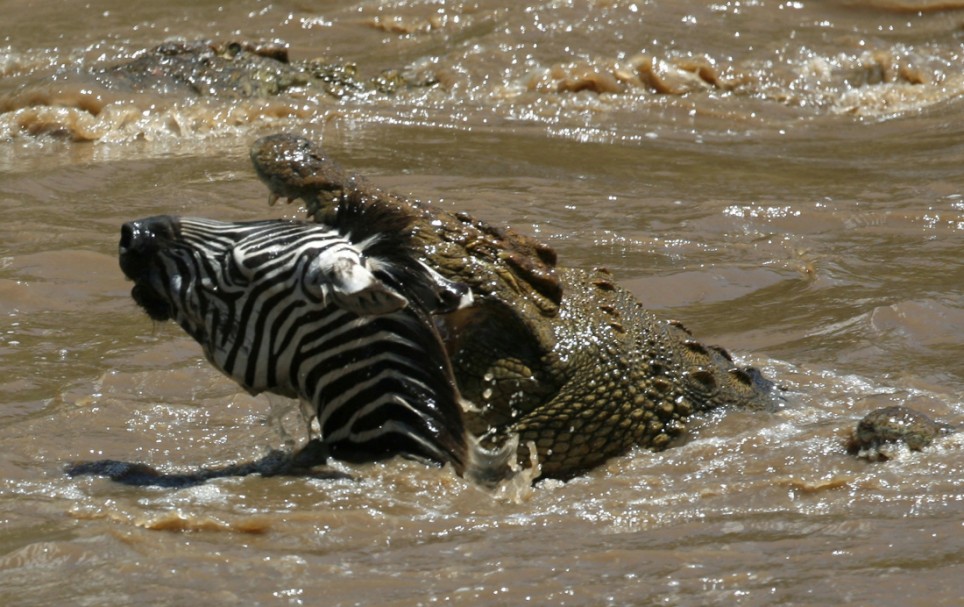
(892, 425)
(305, 463)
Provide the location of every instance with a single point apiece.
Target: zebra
(341, 321)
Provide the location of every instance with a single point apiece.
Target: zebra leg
(314, 453)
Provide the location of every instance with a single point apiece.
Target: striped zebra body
(305, 311)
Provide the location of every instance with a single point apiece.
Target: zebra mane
(379, 229)
(383, 232)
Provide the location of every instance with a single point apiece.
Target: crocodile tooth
(272, 198)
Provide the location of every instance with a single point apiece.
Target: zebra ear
(349, 284)
(445, 295)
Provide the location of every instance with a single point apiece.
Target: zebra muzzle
(139, 245)
(140, 241)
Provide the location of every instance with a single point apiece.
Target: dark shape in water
(304, 463)
(890, 425)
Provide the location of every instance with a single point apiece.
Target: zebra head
(302, 310)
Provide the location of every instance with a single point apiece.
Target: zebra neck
(380, 384)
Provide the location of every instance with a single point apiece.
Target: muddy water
(785, 177)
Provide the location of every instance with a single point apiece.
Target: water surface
(784, 177)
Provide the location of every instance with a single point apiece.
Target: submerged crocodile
(183, 70)
(240, 69)
(563, 358)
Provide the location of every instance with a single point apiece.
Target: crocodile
(239, 70)
(208, 70)
(562, 358)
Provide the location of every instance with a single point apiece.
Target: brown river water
(787, 178)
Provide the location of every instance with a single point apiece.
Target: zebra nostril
(128, 234)
(140, 241)
(133, 249)
(144, 235)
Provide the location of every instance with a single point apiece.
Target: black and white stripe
(301, 310)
